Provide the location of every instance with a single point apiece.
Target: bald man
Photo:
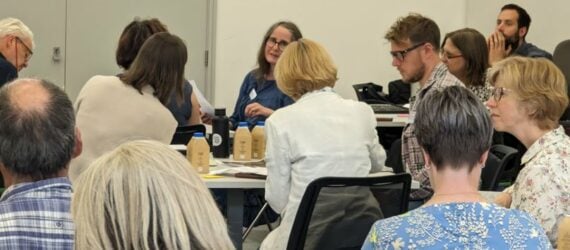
(38, 138)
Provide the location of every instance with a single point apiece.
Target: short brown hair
(539, 85)
(133, 37)
(160, 64)
(417, 28)
(473, 46)
(303, 67)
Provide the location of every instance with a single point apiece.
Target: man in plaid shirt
(414, 42)
(38, 138)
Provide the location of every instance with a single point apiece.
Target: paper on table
(205, 106)
(242, 169)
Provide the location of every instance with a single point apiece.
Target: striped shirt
(35, 215)
(411, 152)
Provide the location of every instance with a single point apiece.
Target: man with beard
(508, 38)
(415, 44)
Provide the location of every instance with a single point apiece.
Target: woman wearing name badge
(321, 134)
(454, 132)
(259, 96)
(529, 97)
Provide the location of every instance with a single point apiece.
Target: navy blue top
(7, 71)
(529, 50)
(183, 112)
(266, 94)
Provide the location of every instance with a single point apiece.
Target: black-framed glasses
(499, 92)
(281, 44)
(401, 54)
(446, 56)
(30, 52)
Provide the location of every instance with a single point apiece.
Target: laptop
(386, 108)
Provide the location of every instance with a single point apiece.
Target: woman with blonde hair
(321, 134)
(144, 195)
(528, 98)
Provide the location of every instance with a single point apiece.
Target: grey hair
(15, 27)
(36, 142)
(453, 127)
(145, 195)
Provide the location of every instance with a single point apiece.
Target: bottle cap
(243, 124)
(220, 112)
(260, 123)
(198, 135)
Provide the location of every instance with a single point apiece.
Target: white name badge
(252, 94)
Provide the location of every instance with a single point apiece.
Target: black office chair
(338, 212)
(394, 157)
(561, 57)
(500, 157)
(184, 134)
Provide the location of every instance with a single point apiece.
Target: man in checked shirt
(414, 41)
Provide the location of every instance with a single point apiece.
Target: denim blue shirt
(7, 71)
(267, 95)
(35, 215)
(530, 50)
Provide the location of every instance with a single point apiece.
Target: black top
(7, 71)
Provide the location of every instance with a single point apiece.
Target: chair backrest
(500, 156)
(394, 159)
(370, 93)
(561, 57)
(399, 92)
(338, 212)
(183, 134)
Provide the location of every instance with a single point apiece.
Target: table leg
(234, 213)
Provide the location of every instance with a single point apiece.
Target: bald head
(28, 95)
(37, 129)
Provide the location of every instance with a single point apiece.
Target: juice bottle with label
(242, 143)
(198, 153)
(258, 141)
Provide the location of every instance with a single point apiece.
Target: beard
(417, 76)
(512, 41)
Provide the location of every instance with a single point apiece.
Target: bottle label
(216, 140)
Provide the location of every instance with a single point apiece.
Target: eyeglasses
(446, 56)
(401, 54)
(499, 92)
(281, 44)
(30, 52)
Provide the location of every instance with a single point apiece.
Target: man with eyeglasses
(414, 41)
(16, 48)
(508, 38)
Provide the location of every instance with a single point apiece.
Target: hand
(496, 45)
(504, 200)
(255, 109)
(206, 118)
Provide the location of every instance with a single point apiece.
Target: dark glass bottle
(221, 134)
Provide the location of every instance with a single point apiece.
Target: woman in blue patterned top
(259, 95)
(454, 130)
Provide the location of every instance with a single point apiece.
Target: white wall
(547, 28)
(352, 32)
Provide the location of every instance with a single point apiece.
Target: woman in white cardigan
(321, 134)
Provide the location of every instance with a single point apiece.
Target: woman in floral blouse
(454, 131)
(464, 52)
(529, 96)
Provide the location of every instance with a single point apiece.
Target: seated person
(259, 95)
(186, 112)
(321, 134)
(139, 204)
(112, 110)
(38, 138)
(528, 98)
(454, 132)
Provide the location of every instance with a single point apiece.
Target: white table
(235, 188)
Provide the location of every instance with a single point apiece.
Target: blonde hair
(539, 85)
(144, 195)
(303, 67)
